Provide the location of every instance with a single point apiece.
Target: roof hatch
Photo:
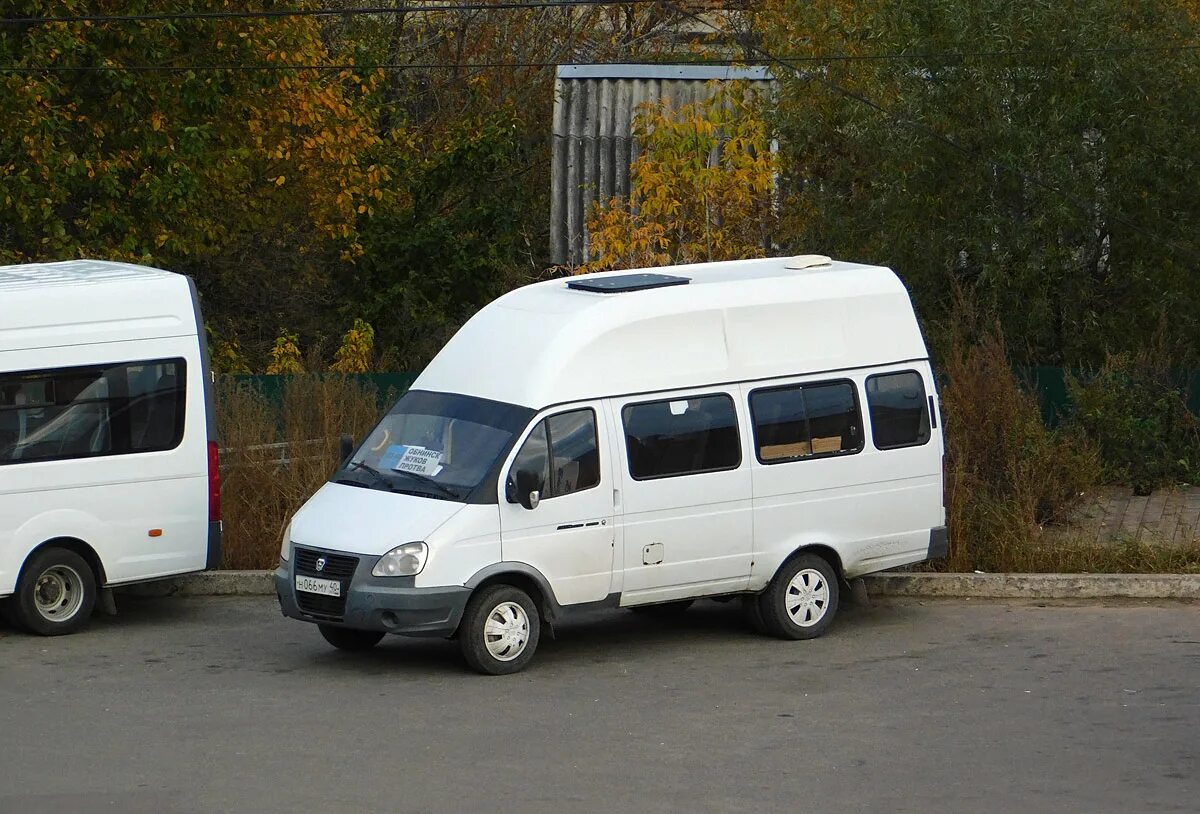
(626, 282)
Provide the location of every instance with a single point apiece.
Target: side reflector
(155, 532)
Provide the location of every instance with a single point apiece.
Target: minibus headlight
(285, 545)
(402, 561)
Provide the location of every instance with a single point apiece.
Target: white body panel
(874, 508)
(65, 315)
(734, 329)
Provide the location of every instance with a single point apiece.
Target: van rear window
(85, 412)
(899, 410)
(682, 436)
(806, 421)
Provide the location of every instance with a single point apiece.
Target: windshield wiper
(441, 487)
(375, 473)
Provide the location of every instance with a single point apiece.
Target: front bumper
(386, 604)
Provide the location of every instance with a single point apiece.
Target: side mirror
(528, 489)
(345, 448)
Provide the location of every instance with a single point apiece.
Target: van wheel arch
(529, 581)
(824, 552)
(79, 547)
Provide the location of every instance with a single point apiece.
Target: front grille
(337, 566)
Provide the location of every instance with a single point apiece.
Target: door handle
(588, 524)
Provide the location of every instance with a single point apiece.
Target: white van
(108, 455)
(762, 429)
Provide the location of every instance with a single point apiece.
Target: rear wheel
(56, 593)
(801, 600)
(499, 631)
(345, 638)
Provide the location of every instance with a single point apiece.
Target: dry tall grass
(278, 454)
(1008, 475)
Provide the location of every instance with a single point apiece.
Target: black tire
(347, 638)
(664, 610)
(56, 593)
(752, 614)
(496, 602)
(786, 611)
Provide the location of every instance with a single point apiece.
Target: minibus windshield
(439, 445)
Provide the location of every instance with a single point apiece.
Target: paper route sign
(418, 460)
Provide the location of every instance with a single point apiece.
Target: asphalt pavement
(183, 706)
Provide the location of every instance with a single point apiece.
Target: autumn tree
(187, 144)
(1041, 156)
(701, 187)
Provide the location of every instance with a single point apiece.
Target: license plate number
(325, 587)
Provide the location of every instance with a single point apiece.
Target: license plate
(325, 587)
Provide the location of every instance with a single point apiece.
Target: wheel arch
(825, 552)
(523, 576)
(75, 545)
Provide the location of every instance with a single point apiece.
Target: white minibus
(108, 454)
(760, 430)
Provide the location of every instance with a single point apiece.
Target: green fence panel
(389, 386)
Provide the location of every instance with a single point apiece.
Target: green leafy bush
(1137, 414)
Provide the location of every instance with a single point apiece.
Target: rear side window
(683, 436)
(899, 410)
(85, 412)
(561, 454)
(806, 421)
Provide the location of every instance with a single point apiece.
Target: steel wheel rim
(806, 599)
(506, 631)
(58, 593)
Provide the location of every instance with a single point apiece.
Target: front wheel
(801, 600)
(56, 593)
(345, 638)
(499, 630)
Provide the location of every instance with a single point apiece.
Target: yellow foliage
(702, 188)
(285, 355)
(227, 357)
(354, 356)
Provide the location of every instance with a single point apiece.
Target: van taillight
(214, 482)
(945, 484)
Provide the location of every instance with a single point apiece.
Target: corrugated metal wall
(594, 108)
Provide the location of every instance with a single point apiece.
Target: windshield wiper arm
(379, 476)
(441, 487)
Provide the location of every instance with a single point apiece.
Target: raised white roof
(547, 343)
(85, 301)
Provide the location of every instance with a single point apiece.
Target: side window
(575, 460)
(533, 460)
(899, 410)
(561, 454)
(85, 412)
(681, 436)
(804, 421)
(156, 401)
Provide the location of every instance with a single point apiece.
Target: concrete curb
(899, 584)
(1037, 586)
